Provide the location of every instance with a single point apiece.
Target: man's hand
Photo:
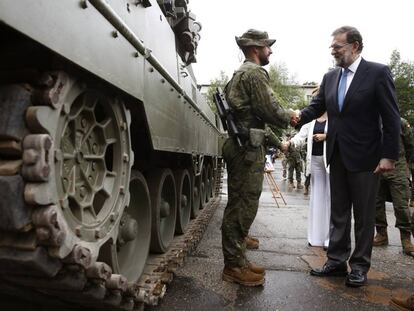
(294, 118)
(385, 165)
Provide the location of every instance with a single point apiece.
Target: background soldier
(294, 161)
(394, 187)
(284, 164)
(303, 153)
(253, 103)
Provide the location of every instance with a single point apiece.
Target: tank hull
(107, 149)
(135, 51)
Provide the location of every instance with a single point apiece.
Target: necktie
(342, 89)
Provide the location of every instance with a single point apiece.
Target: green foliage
(403, 74)
(286, 90)
(221, 81)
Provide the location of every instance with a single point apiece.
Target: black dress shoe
(356, 278)
(330, 270)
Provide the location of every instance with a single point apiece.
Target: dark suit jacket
(367, 129)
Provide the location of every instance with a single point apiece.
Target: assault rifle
(226, 116)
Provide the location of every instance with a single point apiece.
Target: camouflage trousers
(294, 165)
(245, 171)
(284, 166)
(394, 187)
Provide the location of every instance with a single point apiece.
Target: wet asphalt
(287, 258)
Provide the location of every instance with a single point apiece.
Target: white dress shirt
(352, 69)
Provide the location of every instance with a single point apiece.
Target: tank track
(78, 286)
(31, 231)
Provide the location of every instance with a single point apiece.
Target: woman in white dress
(320, 199)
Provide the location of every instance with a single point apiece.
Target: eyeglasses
(337, 47)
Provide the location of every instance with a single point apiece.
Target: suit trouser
(351, 191)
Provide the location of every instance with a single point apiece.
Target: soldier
(254, 104)
(394, 187)
(284, 165)
(284, 157)
(294, 161)
(303, 154)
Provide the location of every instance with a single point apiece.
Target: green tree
(221, 81)
(403, 74)
(286, 89)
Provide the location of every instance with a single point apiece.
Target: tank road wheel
(92, 160)
(134, 236)
(195, 204)
(164, 208)
(183, 183)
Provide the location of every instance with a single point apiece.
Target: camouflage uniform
(285, 153)
(284, 165)
(303, 153)
(394, 185)
(271, 140)
(294, 160)
(253, 103)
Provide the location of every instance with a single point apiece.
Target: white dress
(320, 196)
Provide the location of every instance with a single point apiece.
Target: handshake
(294, 117)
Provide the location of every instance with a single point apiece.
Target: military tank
(107, 149)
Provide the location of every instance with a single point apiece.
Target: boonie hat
(254, 37)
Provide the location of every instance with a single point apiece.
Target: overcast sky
(303, 32)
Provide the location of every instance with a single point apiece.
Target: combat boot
(408, 247)
(243, 276)
(299, 185)
(402, 303)
(256, 268)
(251, 243)
(381, 238)
(306, 191)
(291, 185)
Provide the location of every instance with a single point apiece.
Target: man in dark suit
(362, 142)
